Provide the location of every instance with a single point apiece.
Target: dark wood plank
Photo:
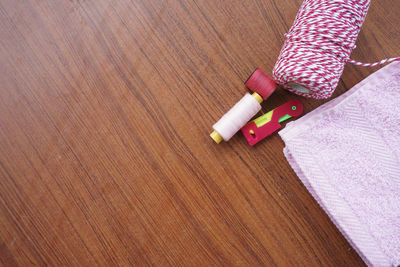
(105, 158)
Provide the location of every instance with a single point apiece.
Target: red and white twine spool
(318, 46)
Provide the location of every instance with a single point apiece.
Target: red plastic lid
(261, 83)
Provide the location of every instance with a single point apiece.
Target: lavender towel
(347, 154)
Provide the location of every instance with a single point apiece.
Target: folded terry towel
(347, 154)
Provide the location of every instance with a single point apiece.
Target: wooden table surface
(105, 156)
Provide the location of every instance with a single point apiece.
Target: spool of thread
(319, 44)
(262, 86)
(236, 117)
(261, 83)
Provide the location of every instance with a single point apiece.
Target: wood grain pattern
(105, 158)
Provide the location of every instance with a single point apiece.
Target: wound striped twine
(318, 46)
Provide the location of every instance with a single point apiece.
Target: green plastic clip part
(286, 117)
(264, 119)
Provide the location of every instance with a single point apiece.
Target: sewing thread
(237, 116)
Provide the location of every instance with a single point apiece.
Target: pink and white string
(319, 44)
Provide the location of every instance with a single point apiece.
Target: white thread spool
(236, 117)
